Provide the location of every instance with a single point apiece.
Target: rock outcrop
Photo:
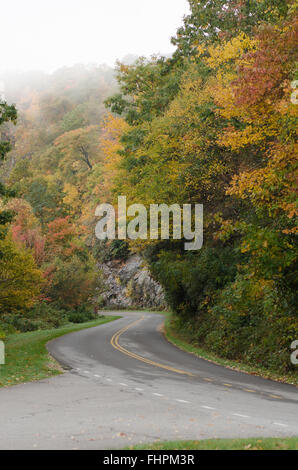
(130, 284)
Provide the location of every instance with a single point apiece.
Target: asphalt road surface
(125, 384)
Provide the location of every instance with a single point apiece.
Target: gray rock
(130, 284)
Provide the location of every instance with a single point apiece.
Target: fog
(46, 35)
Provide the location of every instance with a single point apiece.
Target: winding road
(125, 384)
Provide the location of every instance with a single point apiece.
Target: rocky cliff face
(130, 284)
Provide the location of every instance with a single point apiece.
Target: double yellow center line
(115, 343)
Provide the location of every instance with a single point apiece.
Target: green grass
(184, 341)
(26, 356)
(288, 443)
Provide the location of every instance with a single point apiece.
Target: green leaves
(211, 22)
(214, 125)
(7, 113)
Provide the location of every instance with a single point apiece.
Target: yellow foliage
(112, 130)
(71, 197)
(233, 49)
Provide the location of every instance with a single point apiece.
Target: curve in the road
(126, 384)
(116, 345)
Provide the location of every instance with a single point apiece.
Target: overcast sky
(47, 34)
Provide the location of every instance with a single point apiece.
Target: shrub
(82, 314)
(253, 322)
(41, 316)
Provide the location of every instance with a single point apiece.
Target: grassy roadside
(184, 341)
(27, 358)
(289, 443)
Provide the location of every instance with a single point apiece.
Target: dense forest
(214, 124)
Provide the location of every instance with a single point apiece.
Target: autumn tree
(20, 279)
(26, 229)
(211, 22)
(80, 147)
